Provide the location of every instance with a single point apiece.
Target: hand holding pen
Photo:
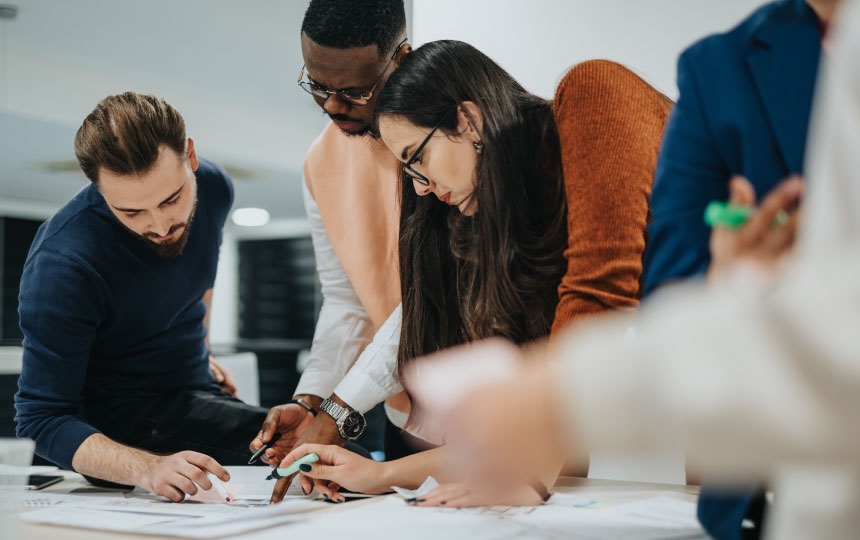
(323, 430)
(265, 447)
(286, 422)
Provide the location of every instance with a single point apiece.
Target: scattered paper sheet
(145, 513)
(429, 485)
(249, 483)
(187, 520)
(27, 500)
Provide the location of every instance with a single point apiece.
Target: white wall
(537, 40)
(224, 319)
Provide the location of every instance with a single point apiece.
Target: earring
(479, 146)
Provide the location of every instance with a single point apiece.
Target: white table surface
(607, 490)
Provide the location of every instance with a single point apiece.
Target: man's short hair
(124, 133)
(344, 24)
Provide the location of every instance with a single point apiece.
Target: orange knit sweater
(610, 124)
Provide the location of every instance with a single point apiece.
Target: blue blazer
(745, 99)
(744, 105)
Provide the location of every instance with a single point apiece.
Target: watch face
(353, 425)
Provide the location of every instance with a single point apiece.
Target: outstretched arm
(170, 476)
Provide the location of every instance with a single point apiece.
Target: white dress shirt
(346, 357)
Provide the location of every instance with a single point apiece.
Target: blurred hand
(500, 427)
(767, 236)
(438, 383)
(222, 377)
(175, 475)
(339, 467)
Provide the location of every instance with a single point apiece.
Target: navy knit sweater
(110, 327)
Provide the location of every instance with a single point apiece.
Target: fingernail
(411, 500)
(304, 467)
(325, 496)
(443, 503)
(341, 499)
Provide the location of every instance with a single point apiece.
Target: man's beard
(172, 248)
(343, 118)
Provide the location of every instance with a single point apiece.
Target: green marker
(733, 216)
(294, 467)
(723, 214)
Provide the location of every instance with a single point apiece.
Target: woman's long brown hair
(495, 273)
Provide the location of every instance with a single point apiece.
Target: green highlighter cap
(730, 216)
(294, 466)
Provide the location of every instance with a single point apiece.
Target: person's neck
(823, 8)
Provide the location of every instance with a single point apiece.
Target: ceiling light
(250, 217)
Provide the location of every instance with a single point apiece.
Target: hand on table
(175, 475)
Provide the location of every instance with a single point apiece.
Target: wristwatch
(350, 423)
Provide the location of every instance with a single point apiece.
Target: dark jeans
(212, 423)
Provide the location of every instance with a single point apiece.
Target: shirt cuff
(361, 392)
(315, 383)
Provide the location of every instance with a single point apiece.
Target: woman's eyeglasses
(407, 167)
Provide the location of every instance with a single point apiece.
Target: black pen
(263, 448)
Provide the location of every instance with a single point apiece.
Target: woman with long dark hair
(484, 256)
(537, 214)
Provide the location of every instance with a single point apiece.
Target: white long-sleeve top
(346, 357)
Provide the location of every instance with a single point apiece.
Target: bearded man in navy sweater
(116, 381)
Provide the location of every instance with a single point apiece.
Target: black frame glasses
(407, 167)
(349, 96)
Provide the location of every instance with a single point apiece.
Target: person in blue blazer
(743, 109)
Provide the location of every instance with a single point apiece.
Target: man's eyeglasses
(354, 97)
(407, 167)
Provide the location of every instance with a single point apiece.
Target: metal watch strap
(334, 410)
(350, 423)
